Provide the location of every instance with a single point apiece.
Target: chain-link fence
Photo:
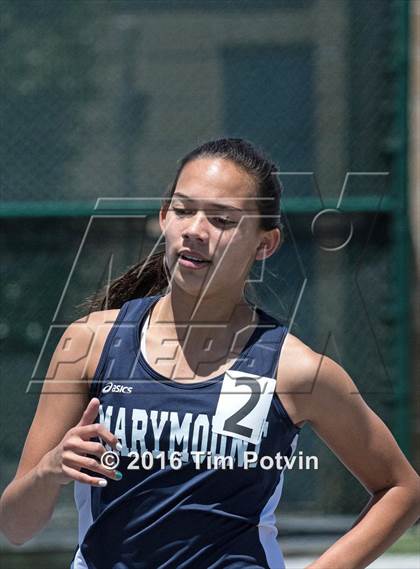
(100, 99)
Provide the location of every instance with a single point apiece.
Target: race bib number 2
(243, 405)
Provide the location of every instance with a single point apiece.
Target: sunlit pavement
(384, 562)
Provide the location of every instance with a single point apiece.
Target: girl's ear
(162, 216)
(268, 245)
(260, 253)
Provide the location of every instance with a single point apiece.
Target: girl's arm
(27, 503)
(331, 403)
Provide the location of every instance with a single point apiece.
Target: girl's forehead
(216, 178)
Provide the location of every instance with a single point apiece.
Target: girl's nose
(197, 227)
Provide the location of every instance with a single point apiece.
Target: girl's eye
(180, 211)
(224, 221)
(221, 220)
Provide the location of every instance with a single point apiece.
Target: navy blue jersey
(197, 490)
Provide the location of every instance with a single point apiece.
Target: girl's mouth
(191, 262)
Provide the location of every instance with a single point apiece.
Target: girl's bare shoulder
(98, 318)
(296, 374)
(295, 353)
(94, 329)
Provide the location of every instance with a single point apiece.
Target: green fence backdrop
(100, 99)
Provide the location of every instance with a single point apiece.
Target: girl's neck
(179, 308)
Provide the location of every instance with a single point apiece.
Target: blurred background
(100, 99)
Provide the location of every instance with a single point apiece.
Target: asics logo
(116, 388)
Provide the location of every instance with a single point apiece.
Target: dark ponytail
(145, 278)
(150, 276)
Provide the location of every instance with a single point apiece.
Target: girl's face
(213, 215)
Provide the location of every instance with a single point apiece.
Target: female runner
(178, 378)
